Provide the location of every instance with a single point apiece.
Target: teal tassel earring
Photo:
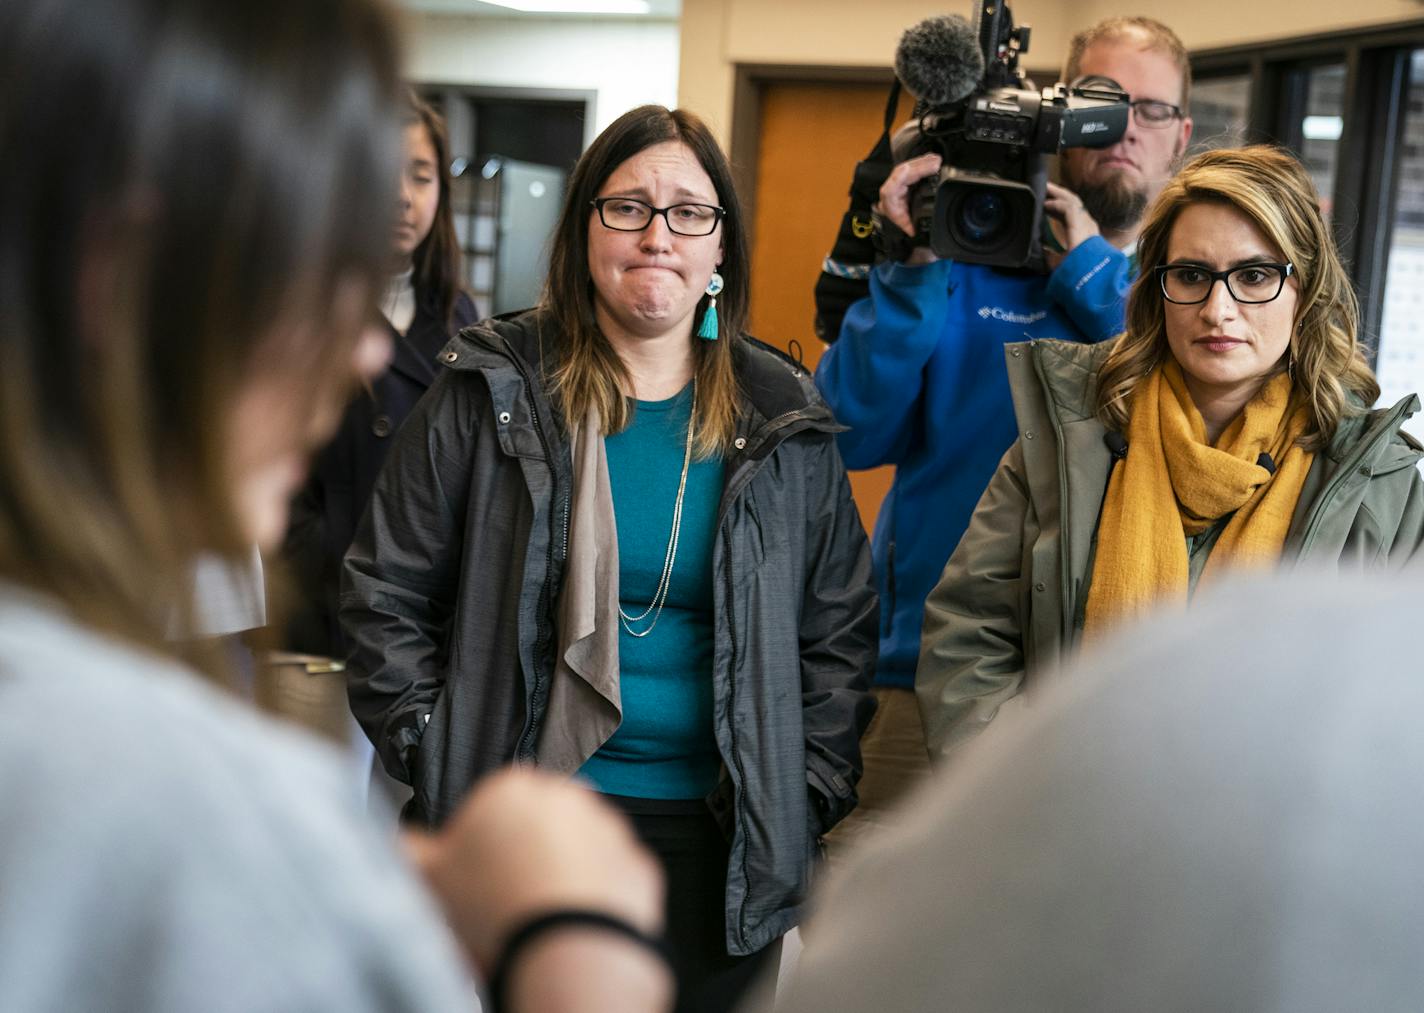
(708, 330)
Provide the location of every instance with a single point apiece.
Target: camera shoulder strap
(845, 273)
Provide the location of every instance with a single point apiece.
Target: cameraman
(918, 373)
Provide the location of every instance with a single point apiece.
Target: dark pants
(693, 853)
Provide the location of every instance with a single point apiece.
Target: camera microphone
(939, 60)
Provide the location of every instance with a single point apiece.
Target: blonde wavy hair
(1272, 188)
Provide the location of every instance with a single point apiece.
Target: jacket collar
(777, 391)
(415, 351)
(772, 382)
(1069, 369)
(496, 343)
(1372, 435)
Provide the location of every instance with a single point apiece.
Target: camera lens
(982, 217)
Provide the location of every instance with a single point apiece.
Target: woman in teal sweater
(616, 540)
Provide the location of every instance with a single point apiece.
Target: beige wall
(719, 34)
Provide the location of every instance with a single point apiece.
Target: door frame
(749, 85)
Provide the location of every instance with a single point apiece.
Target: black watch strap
(537, 926)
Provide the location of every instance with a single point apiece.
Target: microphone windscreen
(939, 60)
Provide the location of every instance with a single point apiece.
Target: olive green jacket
(1012, 596)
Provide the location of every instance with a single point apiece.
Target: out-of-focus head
(1227, 765)
(196, 198)
(425, 227)
(1148, 61)
(648, 282)
(1224, 209)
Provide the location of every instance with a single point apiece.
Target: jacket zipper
(739, 480)
(1080, 600)
(523, 748)
(889, 613)
(740, 792)
(1065, 585)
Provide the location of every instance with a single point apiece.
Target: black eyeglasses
(1188, 284)
(1154, 114)
(625, 214)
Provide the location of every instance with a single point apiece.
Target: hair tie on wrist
(537, 926)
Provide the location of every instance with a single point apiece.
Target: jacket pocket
(837, 796)
(429, 752)
(815, 839)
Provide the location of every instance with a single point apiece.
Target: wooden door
(811, 135)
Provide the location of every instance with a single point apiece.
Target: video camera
(977, 109)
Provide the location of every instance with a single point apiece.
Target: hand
(1064, 207)
(894, 202)
(525, 843)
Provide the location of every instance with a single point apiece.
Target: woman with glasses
(1229, 428)
(616, 540)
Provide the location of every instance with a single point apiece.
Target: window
(1351, 106)
(495, 135)
(1317, 120)
(1220, 106)
(1401, 338)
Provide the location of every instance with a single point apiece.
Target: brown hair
(1152, 34)
(1269, 186)
(188, 188)
(436, 261)
(589, 371)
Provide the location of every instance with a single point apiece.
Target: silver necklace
(655, 607)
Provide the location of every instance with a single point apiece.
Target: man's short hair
(1151, 33)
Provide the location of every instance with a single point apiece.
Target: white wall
(627, 63)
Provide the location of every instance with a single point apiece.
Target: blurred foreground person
(196, 208)
(1218, 810)
(616, 540)
(1229, 428)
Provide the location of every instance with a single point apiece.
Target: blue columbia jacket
(918, 376)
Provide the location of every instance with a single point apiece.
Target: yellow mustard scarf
(1173, 484)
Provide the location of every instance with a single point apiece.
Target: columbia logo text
(998, 313)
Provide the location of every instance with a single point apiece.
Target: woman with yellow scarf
(1228, 429)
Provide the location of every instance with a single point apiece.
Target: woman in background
(196, 199)
(617, 540)
(1228, 429)
(422, 306)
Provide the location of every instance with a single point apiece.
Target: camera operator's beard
(1114, 205)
